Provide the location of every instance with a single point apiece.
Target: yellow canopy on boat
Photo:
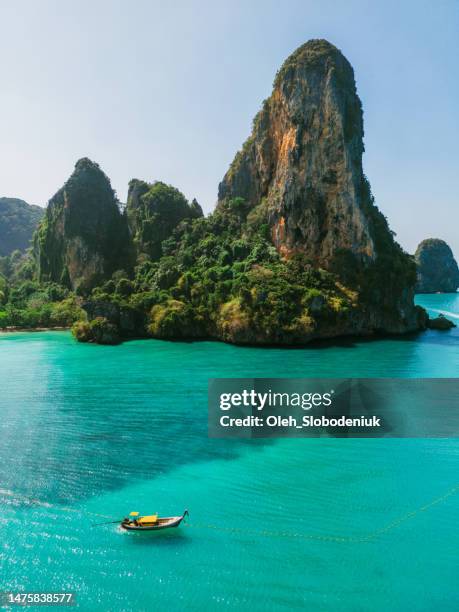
(148, 519)
(134, 514)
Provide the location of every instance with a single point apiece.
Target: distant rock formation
(18, 221)
(154, 211)
(83, 237)
(300, 171)
(437, 270)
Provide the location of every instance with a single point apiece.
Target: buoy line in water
(332, 538)
(265, 533)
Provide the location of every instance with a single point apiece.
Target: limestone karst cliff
(83, 237)
(295, 250)
(302, 165)
(300, 171)
(437, 270)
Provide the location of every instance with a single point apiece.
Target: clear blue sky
(167, 90)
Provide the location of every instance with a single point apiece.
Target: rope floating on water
(332, 538)
(267, 533)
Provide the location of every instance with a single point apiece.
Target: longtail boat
(152, 522)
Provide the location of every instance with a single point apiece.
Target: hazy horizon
(168, 93)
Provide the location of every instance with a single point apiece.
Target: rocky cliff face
(18, 221)
(437, 270)
(83, 237)
(154, 211)
(300, 172)
(303, 162)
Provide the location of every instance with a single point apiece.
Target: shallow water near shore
(89, 433)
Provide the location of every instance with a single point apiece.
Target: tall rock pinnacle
(303, 160)
(300, 172)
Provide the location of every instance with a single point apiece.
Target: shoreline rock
(440, 323)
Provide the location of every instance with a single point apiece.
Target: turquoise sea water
(280, 525)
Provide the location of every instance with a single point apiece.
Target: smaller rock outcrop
(99, 331)
(83, 237)
(129, 321)
(437, 270)
(196, 209)
(154, 211)
(440, 323)
(18, 221)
